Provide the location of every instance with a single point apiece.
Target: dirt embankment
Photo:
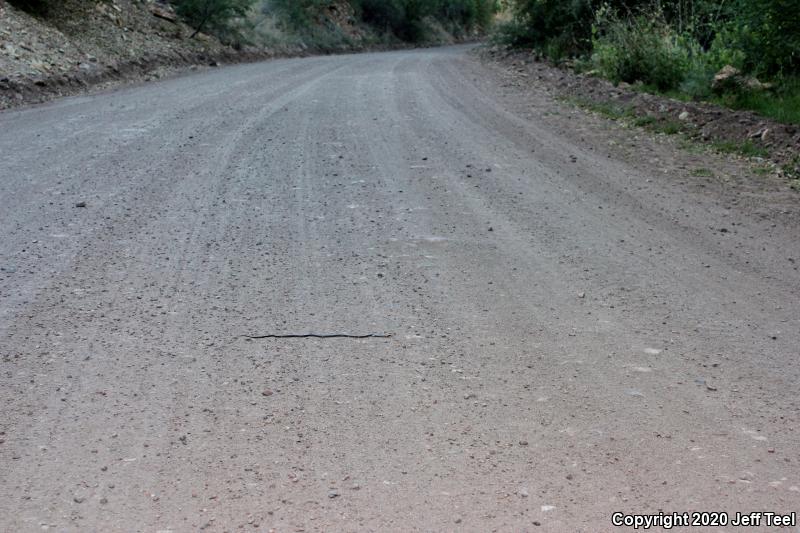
(82, 44)
(702, 121)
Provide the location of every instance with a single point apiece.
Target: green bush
(465, 15)
(642, 49)
(562, 25)
(295, 14)
(765, 35)
(386, 15)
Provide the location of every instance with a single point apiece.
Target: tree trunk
(200, 26)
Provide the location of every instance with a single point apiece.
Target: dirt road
(578, 324)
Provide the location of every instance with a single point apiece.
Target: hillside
(82, 44)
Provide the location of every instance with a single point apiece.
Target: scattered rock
(163, 13)
(726, 79)
(80, 204)
(730, 79)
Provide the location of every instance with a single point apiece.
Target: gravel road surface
(571, 332)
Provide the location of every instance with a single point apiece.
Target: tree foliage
(767, 34)
(405, 19)
(213, 14)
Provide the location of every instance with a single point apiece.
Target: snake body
(319, 336)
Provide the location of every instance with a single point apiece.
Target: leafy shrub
(642, 49)
(562, 25)
(765, 34)
(387, 15)
(697, 81)
(295, 14)
(465, 15)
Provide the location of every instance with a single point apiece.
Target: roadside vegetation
(321, 25)
(331, 25)
(744, 54)
(379, 21)
(213, 15)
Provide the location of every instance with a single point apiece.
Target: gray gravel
(572, 332)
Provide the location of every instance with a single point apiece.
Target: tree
(211, 13)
